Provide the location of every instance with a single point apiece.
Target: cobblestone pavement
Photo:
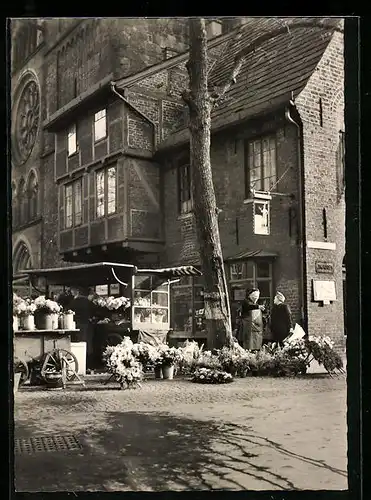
(256, 434)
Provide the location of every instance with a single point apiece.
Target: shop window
(100, 125)
(188, 316)
(72, 140)
(73, 204)
(260, 165)
(184, 188)
(106, 191)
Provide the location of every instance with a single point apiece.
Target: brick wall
(227, 157)
(321, 142)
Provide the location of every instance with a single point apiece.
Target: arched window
(14, 205)
(22, 202)
(32, 196)
(25, 41)
(21, 258)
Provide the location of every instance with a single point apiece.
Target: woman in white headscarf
(251, 321)
(280, 320)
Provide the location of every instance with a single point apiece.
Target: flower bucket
(15, 323)
(158, 372)
(55, 318)
(67, 321)
(17, 378)
(44, 321)
(168, 372)
(28, 322)
(54, 380)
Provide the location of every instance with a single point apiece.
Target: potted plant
(19, 307)
(169, 356)
(27, 315)
(46, 313)
(123, 365)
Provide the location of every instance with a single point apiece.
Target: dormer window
(100, 125)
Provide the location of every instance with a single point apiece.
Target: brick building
(112, 163)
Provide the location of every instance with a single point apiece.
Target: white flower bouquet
(47, 306)
(121, 362)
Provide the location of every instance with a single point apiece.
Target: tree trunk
(217, 309)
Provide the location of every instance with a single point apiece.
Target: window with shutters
(106, 191)
(73, 204)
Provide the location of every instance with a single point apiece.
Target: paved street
(256, 433)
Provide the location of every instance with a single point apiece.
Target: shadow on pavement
(160, 452)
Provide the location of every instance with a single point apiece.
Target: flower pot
(168, 372)
(158, 372)
(15, 323)
(44, 321)
(17, 378)
(67, 322)
(55, 318)
(28, 322)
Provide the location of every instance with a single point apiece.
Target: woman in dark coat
(251, 327)
(280, 320)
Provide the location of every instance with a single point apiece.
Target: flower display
(145, 353)
(46, 305)
(121, 362)
(210, 376)
(112, 303)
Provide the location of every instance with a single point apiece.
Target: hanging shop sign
(324, 291)
(261, 217)
(324, 267)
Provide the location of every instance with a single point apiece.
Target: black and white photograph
(178, 246)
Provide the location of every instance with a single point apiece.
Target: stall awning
(84, 275)
(171, 272)
(101, 273)
(246, 254)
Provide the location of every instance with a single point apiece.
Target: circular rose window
(27, 120)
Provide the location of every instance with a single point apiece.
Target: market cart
(45, 356)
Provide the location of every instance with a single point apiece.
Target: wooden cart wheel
(53, 363)
(21, 367)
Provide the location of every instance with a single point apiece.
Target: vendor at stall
(83, 309)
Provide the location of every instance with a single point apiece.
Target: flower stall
(110, 301)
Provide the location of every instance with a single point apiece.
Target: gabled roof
(269, 77)
(278, 67)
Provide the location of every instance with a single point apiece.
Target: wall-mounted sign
(115, 289)
(101, 289)
(261, 217)
(324, 291)
(324, 267)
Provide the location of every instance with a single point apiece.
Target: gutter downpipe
(302, 219)
(113, 88)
